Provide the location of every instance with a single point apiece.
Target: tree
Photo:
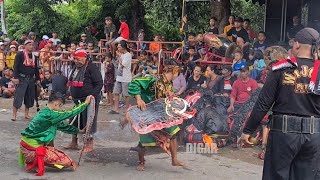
(221, 9)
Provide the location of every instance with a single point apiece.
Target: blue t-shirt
(237, 66)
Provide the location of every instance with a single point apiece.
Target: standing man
(25, 74)
(123, 77)
(85, 79)
(293, 148)
(55, 39)
(295, 27)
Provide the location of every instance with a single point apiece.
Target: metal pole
(3, 25)
(285, 20)
(281, 34)
(265, 16)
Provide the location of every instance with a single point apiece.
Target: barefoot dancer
(85, 79)
(25, 74)
(146, 90)
(34, 150)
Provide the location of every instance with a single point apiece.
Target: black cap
(238, 19)
(227, 67)
(308, 36)
(244, 68)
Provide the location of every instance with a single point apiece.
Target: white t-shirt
(54, 41)
(124, 70)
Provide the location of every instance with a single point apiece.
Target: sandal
(113, 112)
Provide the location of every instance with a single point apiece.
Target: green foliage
(248, 10)
(70, 17)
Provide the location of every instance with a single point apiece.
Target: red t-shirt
(242, 91)
(124, 30)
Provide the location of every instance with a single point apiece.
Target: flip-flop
(12, 119)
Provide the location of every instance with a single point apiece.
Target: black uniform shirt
(19, 68)
(287, 89)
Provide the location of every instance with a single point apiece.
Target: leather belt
(295, 124)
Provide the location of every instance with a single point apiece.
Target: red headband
(79, 54)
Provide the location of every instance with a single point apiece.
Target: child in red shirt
(124, 33)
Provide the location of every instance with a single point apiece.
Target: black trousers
(292, 156)
(83, 116)
(25, 92)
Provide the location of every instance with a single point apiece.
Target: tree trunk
(221, 9)
(137, 20)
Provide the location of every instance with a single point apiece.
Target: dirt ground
(112, 158)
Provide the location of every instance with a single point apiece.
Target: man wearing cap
(238, 31)
(11, 56)
(242, 89)
(26, 74)
(293, 147)
(43, 42)
(7, 44)
(85, 79)
(32, 36)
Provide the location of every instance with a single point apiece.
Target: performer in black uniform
(293, 149)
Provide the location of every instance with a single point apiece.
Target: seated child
(238, 62)
(46, 84)
(34, 150)
(149, 68)
(109, 78)
(258, 65)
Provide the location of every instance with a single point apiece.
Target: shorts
(120, 39)
(121, 87)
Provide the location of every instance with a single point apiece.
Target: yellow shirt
(10, 60)
(226, 29)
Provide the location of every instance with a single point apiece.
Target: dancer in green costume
(146, 90)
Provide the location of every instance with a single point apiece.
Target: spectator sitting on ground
(46, 85)
(191, 42)
(228, 27)
(246, 26)
(212, 77)
(258, 65)
(213, 29)
(238, 62)
(149, 68)
(7, 87)
(179, 84)
(197, 80)
(242, 89)
(226, 82)
(261, 44)
(244, 47)
(188, 66)
(192, 54)
(238, 31)
(251, 59)
(201, 45)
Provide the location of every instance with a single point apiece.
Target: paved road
(112, 160)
